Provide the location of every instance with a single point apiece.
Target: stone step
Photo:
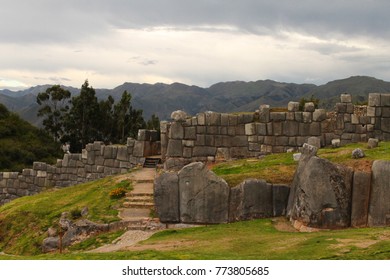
(145, 205)
(140, 199)
(131, 194)
(151, 162)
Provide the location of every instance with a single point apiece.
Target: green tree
(106, 117)
(154, 123)
(127, 119)
(54, 106)
(83, 121)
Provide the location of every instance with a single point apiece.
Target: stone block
(179, 116)
(291, 128)
(379, 208)
(246, 118)
(281, 141)
(143, 135)
(290, 116)
(350, 108)
(239, 141)
(336, 143)
(309, 107)
(233, 120)
(319, 115)
(364, 120)
(203, 196)
(347, 118)
(385, 124)
(370, 111)
(280, 199)
(314, 141)
(240, 130)
(254, 147)
(299, 116)
(341, 108)
(315, 129)
(292, 141)
(188, 143)
(187, 152)
(176, 131)
(212, 129)
(201, 118)
(277, 128)
(222, 154)
(278, 116)
(374, 99)
(166, 197)
(360, 198)
(224, 119)
(340, 121)
(122, 153)
(264, 113)
(385, 99)
(270, 130)
(269, 140)
(213, 118)
(261, 129)
(354, 119)
(175, 148)
(372, 143)
(251, 139)
(304, 129)
(97, 145)
(252, 199)
(345, 98)
(204, 151)
(239, 152)
(209, 140)
(307, 117)
(293, 106)
(250, 129)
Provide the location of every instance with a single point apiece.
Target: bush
(118, 192)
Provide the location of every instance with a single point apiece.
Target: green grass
(258, 239)
(280, 168)
(24, 221)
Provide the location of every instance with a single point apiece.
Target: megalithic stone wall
(96, 161)
(209, 136)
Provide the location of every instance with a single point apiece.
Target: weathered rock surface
(166, 197)
(279, 199)
(250, 200)
(179, 116)
(358, 153)
(379, 210)
(360, 198)
(320, 194)
(204, 197)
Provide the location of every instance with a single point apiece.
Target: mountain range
(238, 96)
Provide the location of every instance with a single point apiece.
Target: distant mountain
(237, 96)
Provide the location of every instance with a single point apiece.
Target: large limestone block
(166, 197)
(374, 99)
(360, 198)
(379, 209)
(176, 131)
(204, 197)
(175, 148)
(250, 200)
(320, 194)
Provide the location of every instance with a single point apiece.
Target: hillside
(236, 96)
(21, 143)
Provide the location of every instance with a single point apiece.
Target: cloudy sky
(194, 42)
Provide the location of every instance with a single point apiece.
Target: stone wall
(211, 136)
(96, 161)
(195, 195)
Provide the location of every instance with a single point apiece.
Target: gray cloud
(47, 20)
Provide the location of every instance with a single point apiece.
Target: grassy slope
(280, 168)
(24, 221)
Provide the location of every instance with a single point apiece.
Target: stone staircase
(151, 162)
(139, 203)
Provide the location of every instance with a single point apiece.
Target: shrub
(118, 192)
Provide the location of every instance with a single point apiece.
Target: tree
(154, 123)
(54, 106)
(127, 120)
(83, 121)
(106, 110)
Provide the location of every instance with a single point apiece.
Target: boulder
(293, 106)
(309, 107)
(336, 143)
(358, 153)
(320, 194)
(379, 209)
(204, 197)
(179, 116)
(251, 199)
(166, 197)
(372, 143)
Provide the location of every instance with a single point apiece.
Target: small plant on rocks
(118, 192)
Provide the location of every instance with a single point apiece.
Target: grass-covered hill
(21, 143)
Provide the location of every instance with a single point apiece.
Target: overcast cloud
(194, 42)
